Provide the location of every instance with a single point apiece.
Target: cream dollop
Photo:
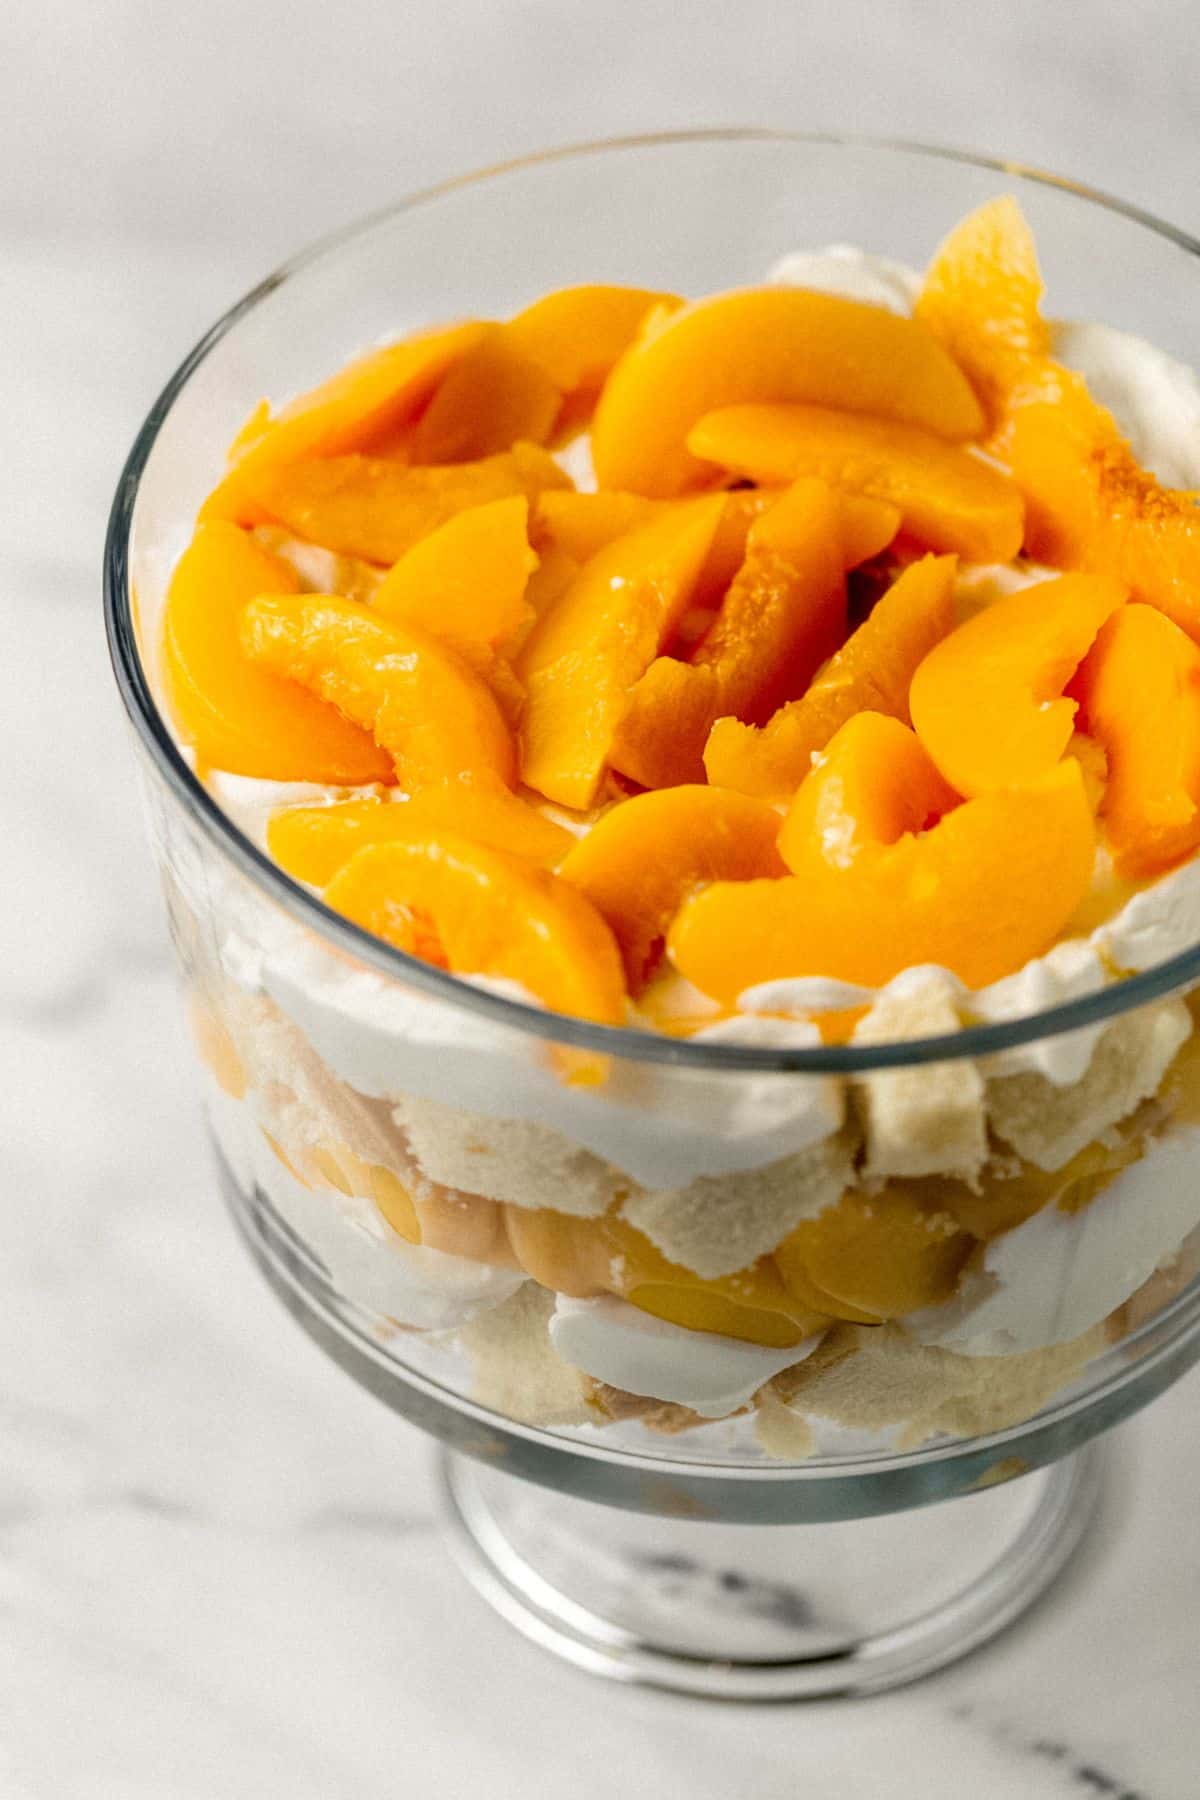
(1051, 1279)
(631, 1350)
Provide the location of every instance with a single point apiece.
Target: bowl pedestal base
(764, 1612)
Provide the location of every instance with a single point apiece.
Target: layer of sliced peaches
(721, 715)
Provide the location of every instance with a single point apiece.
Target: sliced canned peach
(886, 1254)
(355, 410)
(493, 397)
(577, 333)
(465, 583)
(314, 842)
(238, 715)
(766, 344)
(872, 672)
(585, 524)
(1091, 505)
(488, 913)
(988, 702)
(987, 886)
(982, 300)
(376, 508)
(949, 499)
(587, 650)
(784, 614)
(339, 1167)
(216, 1048)
(462, 1225)
(428, 709)
(1139, 694)
(641, 859)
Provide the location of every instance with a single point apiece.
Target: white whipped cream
(1067, 971)
(662, 1127)
(1154, 399)
(1060, 1273)
(629, 1349)
(843, 269)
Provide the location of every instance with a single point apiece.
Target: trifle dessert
(807, 667)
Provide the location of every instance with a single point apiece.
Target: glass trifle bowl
(690, 1437)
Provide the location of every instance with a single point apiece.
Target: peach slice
(949, 499)
(338, 1167)
(982, 300)
(644, 856)
(493, 397)
(577, 333)
(466, 581)
(1090, 504)
(986, 887)
(589, 1257)
(428, 709)
(487, 913)
(785, 612)
(886, 1254)
(988, 703)
(217, 1049)
(584, 524)
(463, 1225)
(1139, 693)
(550, 580)
(872, 672)
(766, 344)
(314, 842)
(239, 716)
(376, 509)
(600, 636)
(355, 410)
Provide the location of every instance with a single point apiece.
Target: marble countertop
(219, 1576)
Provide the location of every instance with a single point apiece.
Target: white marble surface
(218, 1573)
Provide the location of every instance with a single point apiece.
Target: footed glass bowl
(766, 1546)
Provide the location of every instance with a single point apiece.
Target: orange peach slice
(589, 1257)
(376, 509)
(314, 842)
(355, 410)
(338, 1167)
(216, 1048)
(429, 710)
(588, 649)
(1139, 693)
(493, 397)
(238, 715)
(766, 344)
(1092, 506)
(886, 1254)
(982, 300)
(648, 853)
(576, 334)
(988, 703)
(985, 888)
(584, 524)
(872, 672)
(785, 612)
(949, 499)
(487, 913)
(466, 581)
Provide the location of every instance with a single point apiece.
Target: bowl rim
(1109, 1003)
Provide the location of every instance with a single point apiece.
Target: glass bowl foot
(758, 1612)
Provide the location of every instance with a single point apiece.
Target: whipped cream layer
(631, 1350)
(1058, 1274)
